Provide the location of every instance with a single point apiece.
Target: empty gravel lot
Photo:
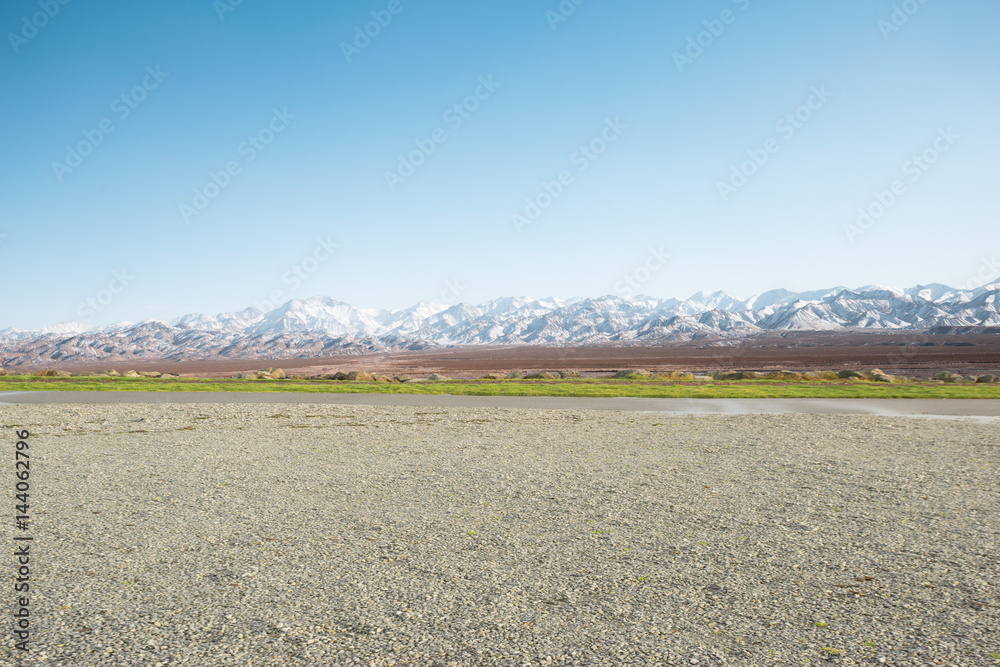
(239, 534)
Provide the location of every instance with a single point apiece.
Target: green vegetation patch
(591, 387)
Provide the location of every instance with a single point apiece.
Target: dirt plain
(324, 534)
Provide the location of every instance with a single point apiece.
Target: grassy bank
(596, 388)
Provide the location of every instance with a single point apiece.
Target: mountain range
(322, 326)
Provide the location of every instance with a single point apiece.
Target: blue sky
(649, 131)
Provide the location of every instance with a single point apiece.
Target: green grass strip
(592, 388)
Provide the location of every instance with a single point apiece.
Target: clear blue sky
(682, 127)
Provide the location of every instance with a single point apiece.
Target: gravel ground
(330, 534)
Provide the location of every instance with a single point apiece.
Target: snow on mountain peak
(63, 328)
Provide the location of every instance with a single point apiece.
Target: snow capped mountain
(715, 301)
(234, 322)
(775, 297)
(933, 292)
(322, 326)
(316, 314)
(61, 329)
